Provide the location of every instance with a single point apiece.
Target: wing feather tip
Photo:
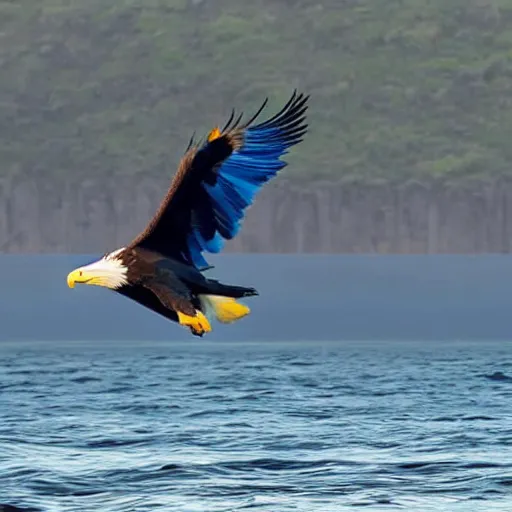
(251, 169)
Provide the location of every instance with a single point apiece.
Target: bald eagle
(217, 179)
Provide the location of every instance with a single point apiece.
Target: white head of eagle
(108, 271)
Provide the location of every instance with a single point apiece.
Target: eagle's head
(109, 271)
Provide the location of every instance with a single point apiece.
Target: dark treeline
(400, 89)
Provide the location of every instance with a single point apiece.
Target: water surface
(317, 426)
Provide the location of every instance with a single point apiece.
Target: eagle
(216, 181)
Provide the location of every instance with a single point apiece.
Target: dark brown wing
(167, 231)
(163, 293)
(170, 298)
(155, 283)
(148, 299)
(218, 180)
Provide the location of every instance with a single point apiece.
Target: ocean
(266, 426)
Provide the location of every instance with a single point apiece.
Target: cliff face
(98, 215)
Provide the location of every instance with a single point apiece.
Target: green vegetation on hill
(401, 89)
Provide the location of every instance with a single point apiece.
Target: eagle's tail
(225, 309)
(213, 287)
(221, 302)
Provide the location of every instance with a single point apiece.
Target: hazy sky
(301, 297)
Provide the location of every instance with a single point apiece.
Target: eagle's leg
(188, 315)
(197, 324)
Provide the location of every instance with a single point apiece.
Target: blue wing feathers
(240, 177)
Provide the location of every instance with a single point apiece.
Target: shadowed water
(325, 427)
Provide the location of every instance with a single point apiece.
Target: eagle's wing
(171, 298)
(218, 180)
(148, 299)
(163, 292)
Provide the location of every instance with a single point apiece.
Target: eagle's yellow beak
(86, 275)
(71, 279)
(77, 276)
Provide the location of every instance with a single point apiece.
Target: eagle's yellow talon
(198, 324)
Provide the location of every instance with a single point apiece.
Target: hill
(401, 89)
